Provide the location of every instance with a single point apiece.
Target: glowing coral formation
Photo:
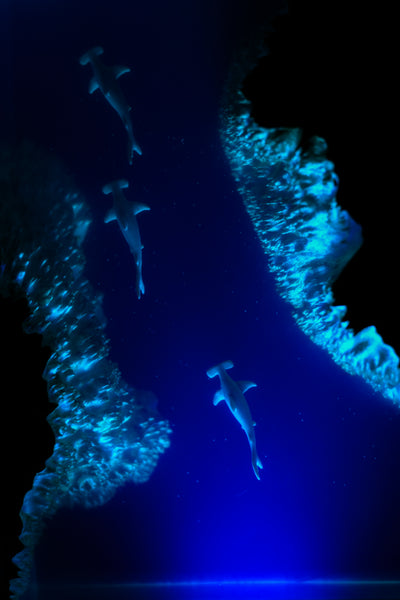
(290, 195)
(105, 434)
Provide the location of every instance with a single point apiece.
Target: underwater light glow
(251, 589)
(104, 434)
(290, 195)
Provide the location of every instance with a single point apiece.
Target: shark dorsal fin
(138, 207)
(218, 397)
(245, 385)
(119, 70)
(110, 216)
(93, 85)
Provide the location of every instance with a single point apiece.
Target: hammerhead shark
(125, 213)
(232, 392)
(105, 79)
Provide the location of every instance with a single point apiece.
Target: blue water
(326, 507)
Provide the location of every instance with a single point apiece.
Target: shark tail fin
(118, 183)
(255, 461)
(139, 286)
(133, 147)
(227, 364)
(85, 58)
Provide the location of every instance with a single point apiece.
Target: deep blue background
(327, 503)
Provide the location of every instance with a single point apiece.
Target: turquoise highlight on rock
(105, 434)
(290, 195)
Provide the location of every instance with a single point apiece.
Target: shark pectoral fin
(119, 70)
(245, 385)
(218, 397)
(110, 216)
(93, 85)
(138, 207)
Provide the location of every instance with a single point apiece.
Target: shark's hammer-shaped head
(88, 56)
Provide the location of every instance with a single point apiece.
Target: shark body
(233, 394)
(125, 213)
(105, 78)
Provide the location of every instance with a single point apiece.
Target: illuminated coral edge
(104, 435)
(290, 195)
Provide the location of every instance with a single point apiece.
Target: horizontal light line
(267, 582)
(239, 582)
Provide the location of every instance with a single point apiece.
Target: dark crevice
(28, 439)
(330, 71)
